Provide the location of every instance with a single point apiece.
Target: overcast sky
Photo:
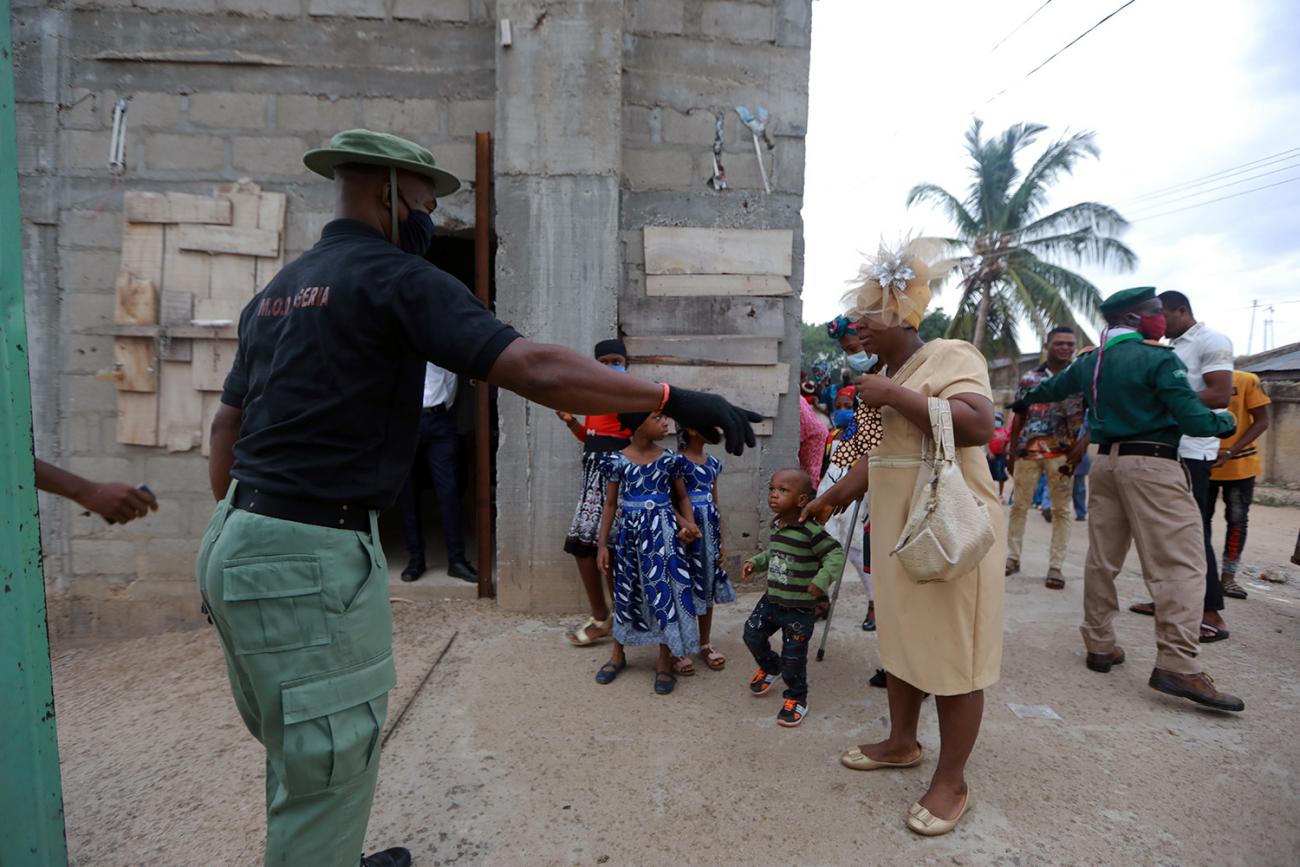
(1174, 89)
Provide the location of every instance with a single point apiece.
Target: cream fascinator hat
(893, 286)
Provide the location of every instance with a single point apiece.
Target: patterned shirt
(797, 556)
(1049, 429)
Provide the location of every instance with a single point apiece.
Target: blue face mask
(861, 362)
(842, 417)
(617, 368)
(416, 233)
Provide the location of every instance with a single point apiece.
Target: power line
(1196, 193)
(1018, 26)
(1219, 199)
(1280, 156)
(1064, 49)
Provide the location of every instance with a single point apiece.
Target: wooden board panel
(137, 418)
(216, 309)
(176, 208)
(270, 215)
(676, 250)
(211, 401)
(142, 252)
(227, 239)
(233, 278)
(136, 300)
(707, 349)
(212, 360)
(177, 308)
(135, 359)
(752, 316)
(686, 285)
(184, 271)
(180, 408)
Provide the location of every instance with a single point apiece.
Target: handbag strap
(941, 430)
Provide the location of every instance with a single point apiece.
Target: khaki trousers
(1025, 479)
(1148, 501)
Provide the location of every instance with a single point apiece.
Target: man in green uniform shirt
(1139, 404)
(315, 435)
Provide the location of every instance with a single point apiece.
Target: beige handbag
(948, 530)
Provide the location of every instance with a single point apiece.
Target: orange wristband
(663, 403)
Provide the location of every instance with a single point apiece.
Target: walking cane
(835, 594)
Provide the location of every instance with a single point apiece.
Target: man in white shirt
(1207, 354)
(438, 450)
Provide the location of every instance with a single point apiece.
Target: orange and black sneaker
(761, 682)
(792, 713)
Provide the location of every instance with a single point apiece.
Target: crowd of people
(1115, 417)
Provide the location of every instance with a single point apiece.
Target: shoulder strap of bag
(941, 429)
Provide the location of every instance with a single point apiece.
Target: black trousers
(796, 627)
(438, 449)
(1198, 472)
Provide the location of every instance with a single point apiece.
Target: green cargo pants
(305, 623)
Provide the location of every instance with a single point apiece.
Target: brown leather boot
(1103, 661)
(1195, 687)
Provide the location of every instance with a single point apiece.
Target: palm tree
(1010, 255)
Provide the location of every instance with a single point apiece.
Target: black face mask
(415, 233)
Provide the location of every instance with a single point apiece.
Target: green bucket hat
(1126, 298)
(379, 149)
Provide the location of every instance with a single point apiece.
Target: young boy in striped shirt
(802, 561)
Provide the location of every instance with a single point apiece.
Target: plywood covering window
(189, 265)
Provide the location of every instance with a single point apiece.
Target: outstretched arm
(560, 378)
(115, 502)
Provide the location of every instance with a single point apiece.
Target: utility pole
(1250, 341)
(1268, 330)
(31, 792)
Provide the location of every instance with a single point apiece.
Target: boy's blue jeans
(796, 626)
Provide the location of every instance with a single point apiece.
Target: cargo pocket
(274, 603)
(332, 725)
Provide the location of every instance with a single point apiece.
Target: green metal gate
(31, 795)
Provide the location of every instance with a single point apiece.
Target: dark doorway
(453, 252)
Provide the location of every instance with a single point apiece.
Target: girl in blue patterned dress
(708, 578)
(646, 520)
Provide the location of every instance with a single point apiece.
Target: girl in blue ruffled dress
(646, 521)
(704, 556)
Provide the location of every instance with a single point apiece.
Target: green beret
(1126, 298)
(379, 149)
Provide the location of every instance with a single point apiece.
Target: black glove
(1020, 407)
(713, 417)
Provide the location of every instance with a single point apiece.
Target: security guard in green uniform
(315, 434)
(1139, 403)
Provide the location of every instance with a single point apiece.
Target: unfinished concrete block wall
(569, 149)
(219, 90)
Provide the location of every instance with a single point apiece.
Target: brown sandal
(714, 660)
(683, 667)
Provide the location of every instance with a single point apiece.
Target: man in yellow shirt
(1235, 470)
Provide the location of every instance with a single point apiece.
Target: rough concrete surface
(512, 755)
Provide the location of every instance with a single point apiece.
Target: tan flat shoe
(927, 824)
(859, 761)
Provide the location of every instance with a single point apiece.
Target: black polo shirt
(330, 368)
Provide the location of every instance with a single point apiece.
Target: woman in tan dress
(944, 637)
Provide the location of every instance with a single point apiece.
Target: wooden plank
(763, 317)
(180, 408)
(217, 309)
(177, 310)
(704, 349)
(227, 239)
(135, 358)
(212, 361)
(270, 215)
(211, 401)
(677, 250)
(184, 271)
(687, 285)
(182, 332)
(176, 208)
(137, 299)
(137, 418)
(142, 252)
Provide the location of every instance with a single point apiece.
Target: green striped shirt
(797, 556)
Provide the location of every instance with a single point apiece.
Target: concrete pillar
(558, 269)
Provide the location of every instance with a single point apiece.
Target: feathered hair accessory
(893, 286)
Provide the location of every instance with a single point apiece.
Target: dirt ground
(511, 754)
